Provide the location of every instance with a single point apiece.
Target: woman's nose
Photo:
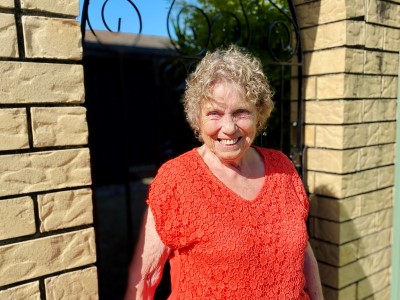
(229, 124)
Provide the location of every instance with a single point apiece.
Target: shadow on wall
(351, 240)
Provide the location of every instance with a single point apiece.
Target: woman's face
(228, 123)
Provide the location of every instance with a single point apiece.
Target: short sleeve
(301, 193)
(163, 202)
(296, 181)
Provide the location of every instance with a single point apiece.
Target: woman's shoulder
(183, 162)
(278, 160)
(274, 155)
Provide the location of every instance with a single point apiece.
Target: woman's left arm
(311, 272)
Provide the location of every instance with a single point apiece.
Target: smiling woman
(230, 217)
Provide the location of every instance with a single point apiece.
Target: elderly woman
(230, 217)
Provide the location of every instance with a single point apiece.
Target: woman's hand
(311, 272)
(145, 271)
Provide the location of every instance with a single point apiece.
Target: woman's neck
(243, 166)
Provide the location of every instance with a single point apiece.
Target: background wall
(47, 243)
(351, 52)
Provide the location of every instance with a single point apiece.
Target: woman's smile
(229, 142)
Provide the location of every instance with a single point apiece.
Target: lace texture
(226, 247)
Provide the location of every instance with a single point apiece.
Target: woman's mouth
(228, 142)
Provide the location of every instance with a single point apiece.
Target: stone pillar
(351, 52)
(47, 244)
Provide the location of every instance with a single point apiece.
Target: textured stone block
(28, 291)
(376, 201)
(383, 13)
(376, 262)
(340, 277)
(346, 293)
(310, 88)
(7, 3)
(333, 35)
(342, 86)
(59, 126)
(389, 87)
(342, 186)
(350, 160)
(336, 255)
(373, 36)
(375, 242)
(380, 63)
(77, 285)
(352, 207)
(309, 135)
(381, 295)
(41, 171)
(340, 233)
(376, 156)
(333, 161)
(65, 209)
(30, 259)
(351, 136)
(26, 82)
(333, 111)
(66, 7)
(52, 38)
(13, 129)
(391, 42)
(379, 110)
(340, 60)
(17, 218)
(333, 209)
(321, 12)
(8, 36)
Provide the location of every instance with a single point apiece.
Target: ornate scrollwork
(211, 29)
(194, 28)
(86, 18)
(283, 37)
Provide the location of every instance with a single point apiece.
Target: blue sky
(153, 13)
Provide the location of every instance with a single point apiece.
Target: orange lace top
(226, 247)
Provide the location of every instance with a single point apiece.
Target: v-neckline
(210, 173)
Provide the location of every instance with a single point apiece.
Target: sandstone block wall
(47, 241)
(351, 52)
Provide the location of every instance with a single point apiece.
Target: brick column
(47, 245)
(351, 65)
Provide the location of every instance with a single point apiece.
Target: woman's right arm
(145, 271)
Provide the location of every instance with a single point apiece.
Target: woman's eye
(213, 114)
(242, 113)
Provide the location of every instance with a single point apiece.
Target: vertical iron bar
(300, 102)
(84, 19)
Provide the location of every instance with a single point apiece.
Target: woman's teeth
(228, 142)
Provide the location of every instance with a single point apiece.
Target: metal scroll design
(86, 18)
(194, 28)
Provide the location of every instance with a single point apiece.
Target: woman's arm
(311, 272)
(147, 265)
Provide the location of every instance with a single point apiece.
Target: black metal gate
(133, 86)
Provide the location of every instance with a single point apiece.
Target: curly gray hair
(233, 66)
